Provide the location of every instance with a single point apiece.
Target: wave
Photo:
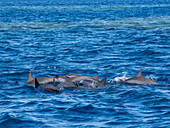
(7, 120)
(79, 7)
(154, 23)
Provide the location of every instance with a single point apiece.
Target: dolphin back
(139, 79)
(95, 77)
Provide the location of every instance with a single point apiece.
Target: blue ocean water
(108, 38)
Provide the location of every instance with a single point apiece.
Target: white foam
(120, 78)
(151, 77)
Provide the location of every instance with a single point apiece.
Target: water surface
(105, 38)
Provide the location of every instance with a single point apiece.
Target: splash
(119, 78)
(152, 77)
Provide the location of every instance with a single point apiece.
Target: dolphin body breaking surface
(91, 82)
(42, 80)
(48, 88)
(66, 83)
(139, 79)
(79, 78)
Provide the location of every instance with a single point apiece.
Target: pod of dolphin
(72, 80)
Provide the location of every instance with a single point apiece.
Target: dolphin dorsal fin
(36, 83)
(139, 74)
(95, 77)
(29, 77)
(54, 82)
(77, 84)
(103, 81)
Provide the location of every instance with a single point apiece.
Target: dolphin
(42, 80)
(79, 78)
(139, 79)
(48, 88)
(66, 83)
(91, 82)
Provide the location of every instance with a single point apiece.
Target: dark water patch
(156, 101)
(83, 109)
(79, 119)
(8, 121)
